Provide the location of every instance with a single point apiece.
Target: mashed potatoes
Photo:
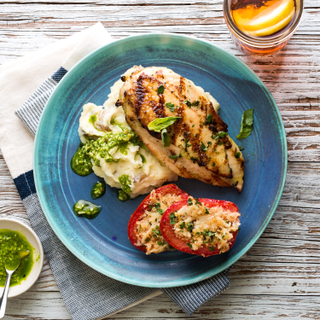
(117, 154)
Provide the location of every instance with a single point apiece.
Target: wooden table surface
(279, 277)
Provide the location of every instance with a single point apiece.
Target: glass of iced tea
(262, 27)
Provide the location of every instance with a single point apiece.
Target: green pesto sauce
(81, 162)
(86, 209)
(12, 245)
(98, 190)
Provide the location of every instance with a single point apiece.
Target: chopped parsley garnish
(208, 119)
(206, 211)
(194, 159)
(173, 156)
(195, 103)
(190, 226)
(161, 211)
(241, 148)
(189, 201)
(188, 103)
(213, 164)
(211, 248)
(203, 146)
(237, 155)
(161, 89)
(220, 143)
(208, 233)
(186, 144)
(170, 106)
(220, 134)
(172, 218)
(156, 231)
(189, 245)
(160, 243)
(147, 240)
(198, 202)
(182, 225)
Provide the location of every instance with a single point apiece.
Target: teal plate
(102, 243)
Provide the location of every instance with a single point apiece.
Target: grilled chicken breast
(200, 147)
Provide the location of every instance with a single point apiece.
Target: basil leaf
(165, 138)
(161, 123)
(246, 124)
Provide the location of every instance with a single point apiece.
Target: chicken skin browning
(200, 147)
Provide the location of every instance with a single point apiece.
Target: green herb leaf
(160, 243)
(220, 134)
(161, 89)
(203, 146)
(165, 138)
(161, 123)
(190, 226)
(241, 148)
(172, 218)
(189, 201)
(237, 155)
(213, 164)
(195, 103)
(246, 124)
(189, 245)
(198, 202)
(170, 106)
(173, 156)
(182, 225)
(206, 211)
(161, 211)
(188, 103)
(208, 119)
(211, 248)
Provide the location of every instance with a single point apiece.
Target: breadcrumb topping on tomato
(201, 226)
(147, 229)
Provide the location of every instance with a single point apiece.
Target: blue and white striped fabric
(87, 293)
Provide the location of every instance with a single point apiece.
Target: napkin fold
(86, 293)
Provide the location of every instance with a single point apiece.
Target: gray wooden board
(279, 277)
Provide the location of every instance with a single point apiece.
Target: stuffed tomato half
(201, 226)
(144, 225)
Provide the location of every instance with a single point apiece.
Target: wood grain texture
(279, 276)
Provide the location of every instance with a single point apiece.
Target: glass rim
(259, 42)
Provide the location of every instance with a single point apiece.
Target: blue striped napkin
(87, 293)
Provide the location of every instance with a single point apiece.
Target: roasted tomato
(143, 229)
(201, 226)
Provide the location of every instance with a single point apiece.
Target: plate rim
(204, 275)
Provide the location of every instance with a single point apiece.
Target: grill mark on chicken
(140, 94)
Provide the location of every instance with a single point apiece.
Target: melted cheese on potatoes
(202, 226)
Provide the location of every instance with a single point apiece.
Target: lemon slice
(274, 28)
(269, 18)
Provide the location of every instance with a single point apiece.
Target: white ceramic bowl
(18, 225)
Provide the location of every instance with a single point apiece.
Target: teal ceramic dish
(102, 243)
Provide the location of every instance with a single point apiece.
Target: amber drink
(262, 26)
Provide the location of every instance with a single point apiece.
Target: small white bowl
(16, 225)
